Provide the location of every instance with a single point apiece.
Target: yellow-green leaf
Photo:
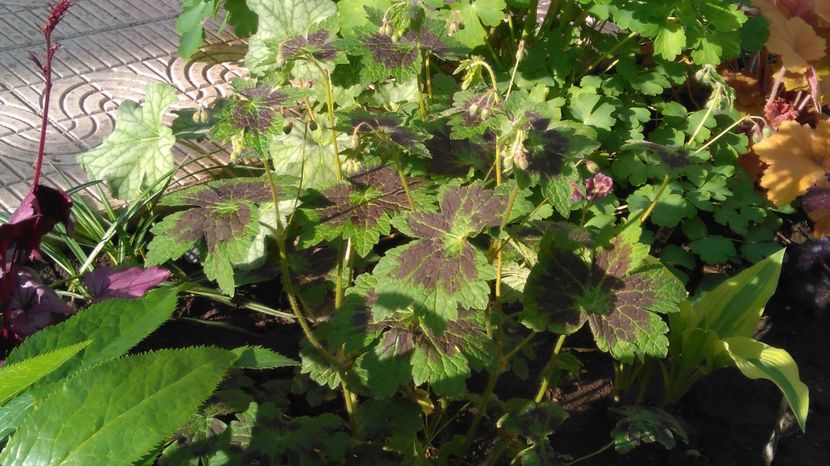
(734, 307)
(757, 360)
(14, 378)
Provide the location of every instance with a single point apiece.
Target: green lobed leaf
(189, 24)
(278, 21)
(642, 425)
(139, 151)
(21, 375)
(113, 327)
(149, 395)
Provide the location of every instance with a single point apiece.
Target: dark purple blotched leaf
(34, 305)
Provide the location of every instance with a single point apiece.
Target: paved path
(111, 50)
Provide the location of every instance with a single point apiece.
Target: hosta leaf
(757, 360)
(359, 210)
(442, 269)
(149, 395)
(641, 425)
(139, 152)
(113, 327)
(19, 376)
(223, 216)
(278, 21)
(617, 297)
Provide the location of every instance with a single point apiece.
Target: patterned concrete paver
(111, 50)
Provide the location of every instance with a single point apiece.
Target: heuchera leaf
(139, 152)
(33, 305)
(442, 270)
(359, 210)
(612, 293)
(642, 425)
(107, 282)
(223, 216)
(150, 395)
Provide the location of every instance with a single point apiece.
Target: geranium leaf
(642, 425)
(616, 296)
(139, 152)
(473, 14)
(384, 56)
(359, 210)
(307, 155)
(223, 216)
(278, 21)
(442, 269)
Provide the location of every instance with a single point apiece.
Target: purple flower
(598, 186)
(107, 283)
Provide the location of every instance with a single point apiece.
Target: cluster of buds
(455, 23)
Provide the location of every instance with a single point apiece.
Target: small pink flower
(598, 186)
(799, 8)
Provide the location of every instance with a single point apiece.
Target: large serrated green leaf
(757, 360)
(143, 397)
(139, 152)
(113, 326)
(14, 378)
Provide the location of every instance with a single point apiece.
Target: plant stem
(519, 54)
(610, 52)
(330, 109)
(592, 454)
(338, 282)
(653, 204)
(288, 287)
(404, 183)
(428, 75)
(498, 162)
(422, 105)
(548, 370)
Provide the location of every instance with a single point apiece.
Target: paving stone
(110, 51)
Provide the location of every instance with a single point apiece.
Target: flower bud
(237, 144)
(287, 127)
(592, 166)
(201, 115)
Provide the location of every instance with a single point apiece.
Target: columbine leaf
(359, 210)
(150, 395)
(592, 110)
(278, 21)
(473, 14)
(139, 152)
(616, 296)
(224, 217)
(441, 270)
(641, 425)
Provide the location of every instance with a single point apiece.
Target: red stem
(47, 93)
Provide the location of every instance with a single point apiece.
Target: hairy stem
(547, 372)
(404, 183)
(330, 110)
(288, 287)
(654, 201)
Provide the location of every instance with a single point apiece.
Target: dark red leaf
(134, 282)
